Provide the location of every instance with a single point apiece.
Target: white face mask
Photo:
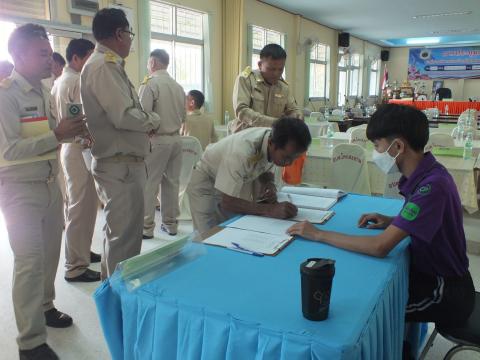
(385, 161)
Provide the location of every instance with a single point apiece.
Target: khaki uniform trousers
(33, 215)
(164, 164)
(120, 185)
(82, 203)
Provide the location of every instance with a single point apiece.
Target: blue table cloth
(229, 305)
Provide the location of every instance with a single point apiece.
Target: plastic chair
(350, 129)
(439, 140)
(391, 186)
(349, 169)
(467, 336)
(359, 136)
(191, 154)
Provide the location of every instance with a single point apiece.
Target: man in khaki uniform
(120, 130)
(262, 96)
(163, 95)
(82, 200)
(198, 124)
(29, 195)
(222, 181)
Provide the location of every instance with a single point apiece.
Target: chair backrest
(349, 169)
(337, 112)
(350, 129)
(191, 154)
(334, 126)
(359, 136)
(391, 185)
(443, 93)
(439, 140)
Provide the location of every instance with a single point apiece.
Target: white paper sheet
(262, 224)
(314, 216)
(307, 202)
(311, 191)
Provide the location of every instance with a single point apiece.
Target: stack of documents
(310, 198)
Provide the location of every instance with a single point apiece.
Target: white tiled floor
(85, 340)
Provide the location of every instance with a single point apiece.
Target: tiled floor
(85, 340)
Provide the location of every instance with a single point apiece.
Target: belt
(50, 179)
(122, 159)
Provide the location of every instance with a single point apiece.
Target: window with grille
(348, 76)
(374, 78)
(180, 32)
(258, 38)
(318, 71)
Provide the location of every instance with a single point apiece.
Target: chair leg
(428, 345)
(459, 348)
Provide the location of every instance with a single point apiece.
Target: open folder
(310, 198)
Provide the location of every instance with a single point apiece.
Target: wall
(462, 89)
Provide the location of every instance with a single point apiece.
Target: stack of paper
(310, 198)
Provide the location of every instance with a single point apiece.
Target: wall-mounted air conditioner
(83, 7)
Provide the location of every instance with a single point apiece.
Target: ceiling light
(423, 41)
(430, 16)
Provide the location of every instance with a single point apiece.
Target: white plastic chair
(358, 136)
(349, 169)
(191, 154)
(350, 129)
(391, 185)
(439, 140)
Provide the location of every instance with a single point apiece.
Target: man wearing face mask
(440, 285)
(221, 184)
(262, 96)
(120, 130)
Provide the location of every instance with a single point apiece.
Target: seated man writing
(224, 180)
(440, 285)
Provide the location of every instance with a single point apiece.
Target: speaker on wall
(384, 55)
(344, 39)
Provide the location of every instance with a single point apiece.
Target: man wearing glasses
(120, 130)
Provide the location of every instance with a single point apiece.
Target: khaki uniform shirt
(115, 118)
(200, 126)
(237, 160)
(20, 104)
(163, 95)
(257, 103)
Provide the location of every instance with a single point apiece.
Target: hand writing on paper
(283, 210)
(374, 221)
(269, 195)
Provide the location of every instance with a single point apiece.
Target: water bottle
(461, 132)
(330, 134)
(326, 113)
(446, 109)
(226, 117)
(468, 147)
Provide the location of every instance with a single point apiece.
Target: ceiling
(391, 23)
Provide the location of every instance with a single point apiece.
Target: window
(180, 32)
(348, 76)
(6, 29)
(374, 78)
(259, 37)
(34, 9)
(319, 69)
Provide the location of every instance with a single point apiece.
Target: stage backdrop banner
(444, 63)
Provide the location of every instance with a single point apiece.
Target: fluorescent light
(421, 41)
(429, 16)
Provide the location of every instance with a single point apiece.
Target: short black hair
(58, 58)
(22, 34)
(79, 47)
(161, 55)
(107, 21)
(273, 51)
(288, 129)
(198, 98)
(393, 120)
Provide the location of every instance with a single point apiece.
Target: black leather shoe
(164, 229)
(42, 352)
(87, 276)
(145, 237)
(57, 319)
(94, 257)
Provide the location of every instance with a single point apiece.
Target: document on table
(262, 224)
(311, 191)
(268, 244)
(307, 202)
(312, 215)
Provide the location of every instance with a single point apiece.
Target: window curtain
(233, 32)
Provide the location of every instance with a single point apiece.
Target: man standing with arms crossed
(163, 95)
(29, 195)
(82, 200)
(120, 129)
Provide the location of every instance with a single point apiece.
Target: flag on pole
(385, 78)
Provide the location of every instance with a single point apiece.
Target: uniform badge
(424, 190)
(410, 211)
(31, 108)
(110, 57)
(247, 71)
(145, 80)
(252, 160)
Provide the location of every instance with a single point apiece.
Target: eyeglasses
(132, 35)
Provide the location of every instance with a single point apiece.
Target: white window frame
(327, 72)
(377, 77)
(182, 39)
(251, 51)
(349, 69)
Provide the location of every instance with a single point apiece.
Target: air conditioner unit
(83, 7)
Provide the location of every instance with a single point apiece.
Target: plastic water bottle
(460, 130)
(226, 117)
(446, 109)
(330, 134)
(468, 147)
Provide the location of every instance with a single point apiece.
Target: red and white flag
(385, 78)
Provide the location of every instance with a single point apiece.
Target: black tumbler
(317, 275)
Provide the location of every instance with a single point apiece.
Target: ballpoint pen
(237, 247)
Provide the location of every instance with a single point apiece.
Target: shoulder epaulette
(247, 71)
(284, 81)
(145, 80)
(110, 57)
(5, 83)
(252, 160)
